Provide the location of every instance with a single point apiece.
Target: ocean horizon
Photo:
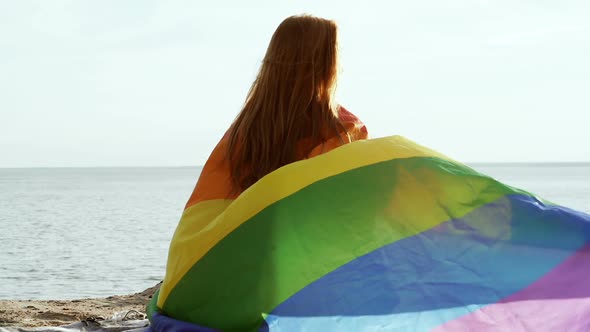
(471, 164)
(78, 232)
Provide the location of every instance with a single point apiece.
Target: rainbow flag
(377, 235)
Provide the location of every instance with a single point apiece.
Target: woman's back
(215, 180)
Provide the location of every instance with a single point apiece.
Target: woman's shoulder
(353, 125)
(346, 116)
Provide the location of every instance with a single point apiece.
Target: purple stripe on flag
(559, 301)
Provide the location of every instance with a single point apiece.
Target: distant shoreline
(530, 164)
(101, 167)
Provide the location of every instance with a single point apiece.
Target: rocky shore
(34, 313)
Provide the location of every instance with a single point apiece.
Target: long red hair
(290, 102)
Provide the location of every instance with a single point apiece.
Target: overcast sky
(148, 83)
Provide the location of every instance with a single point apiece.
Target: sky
(157, 83)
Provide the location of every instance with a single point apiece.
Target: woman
(289, 114)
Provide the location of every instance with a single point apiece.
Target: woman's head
(302, 46)
(291, 100)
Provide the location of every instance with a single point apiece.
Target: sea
(68, 233)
